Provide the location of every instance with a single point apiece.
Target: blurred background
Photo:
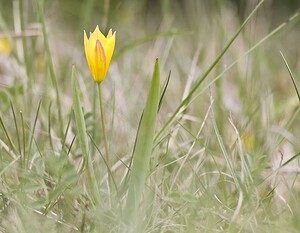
(257, 93)
(152, 28)
(186, 36)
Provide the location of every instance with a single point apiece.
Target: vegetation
(200, 106)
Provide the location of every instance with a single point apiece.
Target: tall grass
(206, 141)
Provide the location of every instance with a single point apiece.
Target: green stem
(25, 49)
(104, 135)
(95, 123)
(51, 65)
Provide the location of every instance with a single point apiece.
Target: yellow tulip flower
(98, 51)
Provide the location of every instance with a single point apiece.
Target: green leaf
(143, 148)
(291, 75)
(79, 117)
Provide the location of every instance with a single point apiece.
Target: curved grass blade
(291, 75)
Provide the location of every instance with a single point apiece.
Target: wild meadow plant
(209, 146)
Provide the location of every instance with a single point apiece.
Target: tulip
(98, 51)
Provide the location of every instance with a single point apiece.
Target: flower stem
(104, 136)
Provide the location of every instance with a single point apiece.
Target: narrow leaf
(164, 89)
(32, 133)
(79, 117)
(142, 152)
(226, 155)
(291, 75)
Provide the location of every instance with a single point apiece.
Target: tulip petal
(86, 49)
(109, 47)
(88, 53)
(97, 34)
(109, 34)
(99, 62)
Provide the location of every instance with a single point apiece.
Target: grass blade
(206, 73)
(107, 166)
(12, 146)
(220, 75)
(142, 152)
(49, 127)
(225, 153)
(32, 133)
(291, 75)
(23, 139)
(164, 89)
(17, 128)
(50, 63)
(79, 117)
(290, 160)
(63, 143)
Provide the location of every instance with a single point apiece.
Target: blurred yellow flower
(248, 141)
(98, 51)
(5, 47)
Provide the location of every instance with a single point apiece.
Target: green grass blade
(49, 127)
(23, 139)
(291, 159)
(254, 47)
(12, 146)
(71, 145)
(83, 138)
(32, 134)
(27, 58)
(63, 143)
(206, 73)
(50, 63)
(79, 117)
(17, 128)
(104, 160)
(225, 153)
(164, 89)
(126, 180)
(291, 75)
(143, 149)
